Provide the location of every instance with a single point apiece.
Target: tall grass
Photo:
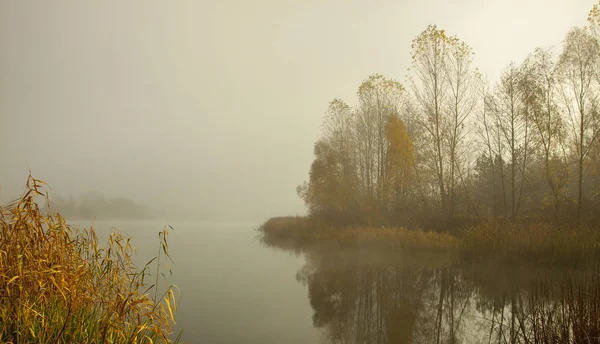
(499, 239)
(299, 232)
(57, 285)
(540, 240)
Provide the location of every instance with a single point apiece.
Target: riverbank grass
(59, 286)
(296, 232)
(541, 241)
(535, 240)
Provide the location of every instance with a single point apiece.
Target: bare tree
(443, 85)
(578, 68)
(462, 101)
(429, 52)
(513, 124)
(379, 99)
(540, 75)
(489, 135)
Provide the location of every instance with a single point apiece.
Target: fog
(211, 108)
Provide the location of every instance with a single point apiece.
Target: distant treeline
(452, 148)
(95, 205)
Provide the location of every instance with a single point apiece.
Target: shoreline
(491, 239)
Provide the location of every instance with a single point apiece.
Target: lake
(233, 289)
(236, 290)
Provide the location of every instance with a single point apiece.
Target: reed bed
(536, 240)
(297, 232)
(58, 285)
(504, 240)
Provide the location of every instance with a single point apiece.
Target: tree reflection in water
(362, 297)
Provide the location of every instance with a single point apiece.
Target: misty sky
(214, 106)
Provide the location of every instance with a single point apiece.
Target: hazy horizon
(212, 108)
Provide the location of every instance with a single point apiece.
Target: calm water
(235, 290)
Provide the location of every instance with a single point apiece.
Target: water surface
(233, 290)
(236, 290)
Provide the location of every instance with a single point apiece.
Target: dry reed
(57, 285)
(297, 232)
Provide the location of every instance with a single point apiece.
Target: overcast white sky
(214, 106)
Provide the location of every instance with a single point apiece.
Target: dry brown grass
(542, 240)
(59, 286)
(296, 232)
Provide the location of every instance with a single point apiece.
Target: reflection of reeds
(296, 232)
(58, 286)
(568, 313)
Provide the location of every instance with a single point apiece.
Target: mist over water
(232, 288)
(209, 107)
(213, 116)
